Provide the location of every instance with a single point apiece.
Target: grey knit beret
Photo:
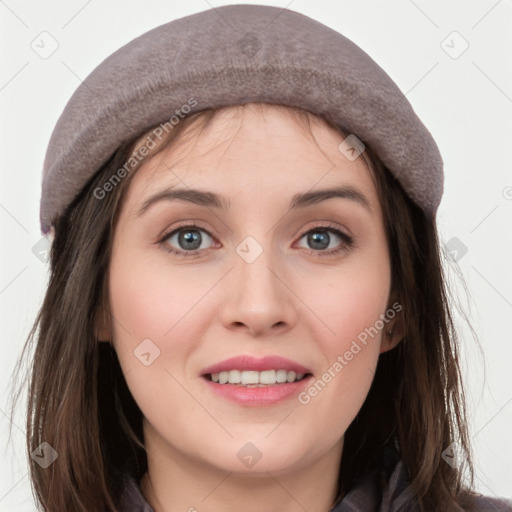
(227, 56)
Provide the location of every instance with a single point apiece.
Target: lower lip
(258, 396)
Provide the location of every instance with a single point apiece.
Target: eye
(320, 237)
(188, 239)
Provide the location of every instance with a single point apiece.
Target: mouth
(255, 379)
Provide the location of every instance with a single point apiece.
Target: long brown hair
(79, 403)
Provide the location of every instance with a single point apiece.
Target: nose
(259, 296)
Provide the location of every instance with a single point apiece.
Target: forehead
(255, 152)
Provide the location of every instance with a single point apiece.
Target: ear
(102, 325)
(394, 330)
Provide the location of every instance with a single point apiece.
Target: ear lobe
(393, 333)
(102, 330)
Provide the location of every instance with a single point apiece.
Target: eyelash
(347, 241)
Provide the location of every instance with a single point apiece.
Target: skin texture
(291, 301)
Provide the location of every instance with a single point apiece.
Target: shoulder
(388, 490)
(480, 503)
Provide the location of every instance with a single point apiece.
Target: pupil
(190, 237)
(319, 239)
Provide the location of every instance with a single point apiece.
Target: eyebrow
(212, 200)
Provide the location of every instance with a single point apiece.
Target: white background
(465, 102)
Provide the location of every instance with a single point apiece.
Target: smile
(254, 378)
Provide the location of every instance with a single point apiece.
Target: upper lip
(256, 364)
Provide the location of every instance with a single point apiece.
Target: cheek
(352, 305)
(150, 301)
(153, 324)
(351, 328)
(156, 312)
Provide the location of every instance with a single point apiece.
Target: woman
(246, 299)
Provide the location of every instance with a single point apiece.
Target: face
(259, 274)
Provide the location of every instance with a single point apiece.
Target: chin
(260, 457)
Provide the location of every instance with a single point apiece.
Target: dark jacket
(385, 490)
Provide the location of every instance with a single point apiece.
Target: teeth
(281, 376)
(267, 377)
(251, 378)
(291, 376)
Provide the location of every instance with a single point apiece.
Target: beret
(233, 55)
